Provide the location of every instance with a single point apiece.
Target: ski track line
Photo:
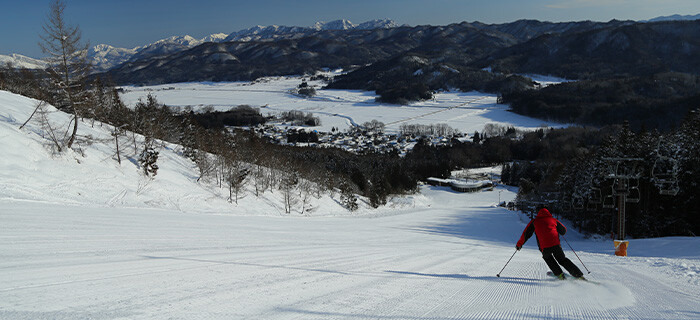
(242, 280)
(276, 282)
(337, 286)
(411, 285)
(422, 287)
(655, 296)
(369, 290)
(117, 264)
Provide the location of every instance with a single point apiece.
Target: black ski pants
(554, 256)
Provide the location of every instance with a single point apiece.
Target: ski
(570, 277)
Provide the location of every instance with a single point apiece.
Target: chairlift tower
(625, 173)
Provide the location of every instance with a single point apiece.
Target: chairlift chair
(669, 189)
(665, 175)
(634, 196)
(609, 200)
(664, 169)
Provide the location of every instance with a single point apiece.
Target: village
(362, 140)
(357, 139)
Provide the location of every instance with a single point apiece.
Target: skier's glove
(517, 247)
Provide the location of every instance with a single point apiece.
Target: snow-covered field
(82, 237)
(465, 111)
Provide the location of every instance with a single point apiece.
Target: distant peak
(378, 24)
(334, 25)
(674, 18)
(216, 37)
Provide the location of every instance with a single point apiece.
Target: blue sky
(130, 23)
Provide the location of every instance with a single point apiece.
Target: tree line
(656, 101)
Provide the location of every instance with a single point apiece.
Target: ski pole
(504, 267)
(579, 259)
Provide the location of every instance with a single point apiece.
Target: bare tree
(118, 116)
(288, 184)
(307, 190)
(47, 130)
(68, 63)
(235, 176)
(260, 179)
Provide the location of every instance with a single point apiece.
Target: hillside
(30, 171)
(128, 247)
(21, 62)
(630, 50)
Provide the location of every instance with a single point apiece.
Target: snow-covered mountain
(265, 33)
(167, 46)
(217, 37)
(377, 24)
(334, 25)
(258, 33)
(20, 61)
(106, 57)
(674, 17)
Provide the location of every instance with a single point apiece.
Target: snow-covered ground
(82, 237)
(465, 111)
(30, 172)
(544, 81)
(62, 261)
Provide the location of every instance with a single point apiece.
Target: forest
(657, 101)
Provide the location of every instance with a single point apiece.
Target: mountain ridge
(21, 61)
(675, 17)
(106, 57)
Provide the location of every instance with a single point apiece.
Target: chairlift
(665, 169)
(609, 200)
(613, 169)
(664, 174)
(669, 189)
(634, 196)
(596, 196)
(620, 186)
(622, 170)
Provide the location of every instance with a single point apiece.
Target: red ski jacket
(546, 228)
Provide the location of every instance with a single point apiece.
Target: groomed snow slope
(83, 256)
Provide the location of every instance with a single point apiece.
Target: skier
(547, 230)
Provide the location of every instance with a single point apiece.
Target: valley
(465, 111)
